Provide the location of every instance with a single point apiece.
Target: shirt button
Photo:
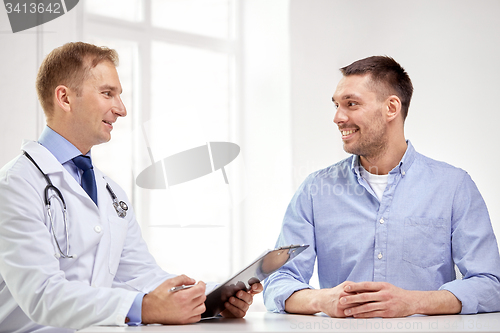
(382, 221)
(380, 256)
(403, 172)
(97, 229)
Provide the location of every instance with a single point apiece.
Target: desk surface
(271, 322)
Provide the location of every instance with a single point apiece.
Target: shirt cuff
(277, 292)
(462, 292)
(134, 315)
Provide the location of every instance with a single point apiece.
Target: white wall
(21, 116)
(266, 122)
(449, 48)
(18, 103)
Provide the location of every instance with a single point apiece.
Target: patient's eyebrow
(348, 96)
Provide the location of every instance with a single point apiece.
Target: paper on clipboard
(266, 264)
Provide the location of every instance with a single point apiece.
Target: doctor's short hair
(69, 65)
(387, 78)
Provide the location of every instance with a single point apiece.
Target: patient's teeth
(348, 132)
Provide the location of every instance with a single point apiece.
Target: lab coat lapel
(43, 157)
(50, 165)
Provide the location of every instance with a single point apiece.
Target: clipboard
(266, 264)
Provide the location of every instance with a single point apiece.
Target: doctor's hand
(237, 306)
(181, 307)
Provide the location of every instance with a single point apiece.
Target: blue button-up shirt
(431, 218)
(63, 150)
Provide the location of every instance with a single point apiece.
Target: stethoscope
(120, 207)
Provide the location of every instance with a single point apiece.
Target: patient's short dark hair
(388, 78)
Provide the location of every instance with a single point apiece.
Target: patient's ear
(393, 105)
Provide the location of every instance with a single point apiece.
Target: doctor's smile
(109, 124)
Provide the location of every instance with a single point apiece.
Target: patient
(386, 225)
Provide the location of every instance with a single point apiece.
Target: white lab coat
(112, 264)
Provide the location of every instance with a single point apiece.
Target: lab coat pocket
(424, 241)
(118, 232)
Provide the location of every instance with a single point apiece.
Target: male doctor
(93, 268)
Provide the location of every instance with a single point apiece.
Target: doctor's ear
(62, 97)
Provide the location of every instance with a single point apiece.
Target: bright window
(177, 67)
(203, 17)
(130, 10)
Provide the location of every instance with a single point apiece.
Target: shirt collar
(62, 149)
(402, 167)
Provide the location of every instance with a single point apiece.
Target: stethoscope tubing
(120, 207)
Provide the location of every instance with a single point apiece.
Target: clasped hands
(186, 306)
(368, 300)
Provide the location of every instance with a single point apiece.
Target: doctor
(92, 267)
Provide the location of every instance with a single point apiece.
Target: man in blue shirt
(386, 225)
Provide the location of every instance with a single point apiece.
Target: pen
(181, 287)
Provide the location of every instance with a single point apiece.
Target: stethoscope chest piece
(123, 205)
(120, 207)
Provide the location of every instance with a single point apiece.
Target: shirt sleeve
(135, 313)
(297, 228)
(475, 252)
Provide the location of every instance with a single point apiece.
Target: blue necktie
(88, 177)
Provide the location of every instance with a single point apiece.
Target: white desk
(271, 322)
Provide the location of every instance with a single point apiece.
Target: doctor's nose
(119, 108)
